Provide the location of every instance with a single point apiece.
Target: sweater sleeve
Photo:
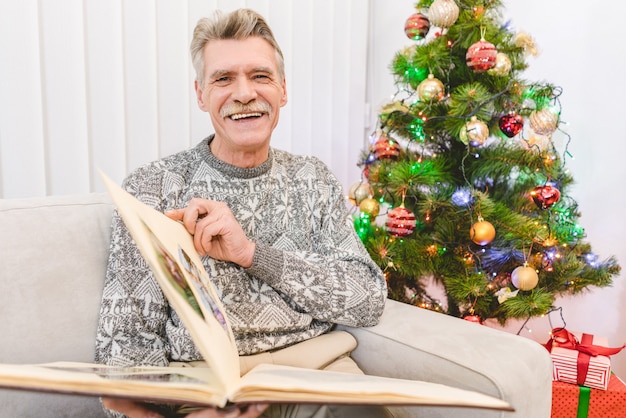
(136, 324)
(133, 312)
(336, 281)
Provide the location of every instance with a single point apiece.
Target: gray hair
(237, 25)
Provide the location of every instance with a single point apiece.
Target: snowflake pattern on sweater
(310, 269)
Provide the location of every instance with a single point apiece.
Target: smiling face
(243, 92)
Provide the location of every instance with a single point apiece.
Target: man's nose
(244, 90)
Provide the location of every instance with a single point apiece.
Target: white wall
(583, 53)
(89, 83)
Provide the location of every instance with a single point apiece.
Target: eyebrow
(220, 73)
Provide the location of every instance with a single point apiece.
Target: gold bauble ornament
(482, 232)
(430, 89)
(544, 121)
(369, 206)
(503, 65)
(525, 41)
(475, 132)
(524, 277)
(443, 13)
(390, 108)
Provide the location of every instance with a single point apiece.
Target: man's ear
(283, 100)
(199, 97)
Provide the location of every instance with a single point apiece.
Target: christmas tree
(464, 184)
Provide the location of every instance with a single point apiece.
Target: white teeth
(245, 115)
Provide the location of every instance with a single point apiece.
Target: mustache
(253, 107)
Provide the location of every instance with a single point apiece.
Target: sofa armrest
(53, 254)
(414, 343)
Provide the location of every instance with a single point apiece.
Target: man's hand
(215, 231)
(137, 410)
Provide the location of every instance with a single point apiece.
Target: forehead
(236, 55)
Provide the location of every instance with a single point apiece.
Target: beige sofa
(53, 254)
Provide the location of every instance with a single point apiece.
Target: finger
(188, 216)
(208, 230)
(129, 408)
(242, 411)
(202, 241)
(254, 410)
(214, 413)
(180, 215)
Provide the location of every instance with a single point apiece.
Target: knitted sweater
(309, 271)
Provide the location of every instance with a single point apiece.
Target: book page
(168, 248)
(267, 383)
(177, 385)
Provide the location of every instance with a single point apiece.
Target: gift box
(581, 359)
(573, 401)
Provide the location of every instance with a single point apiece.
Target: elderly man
(286, 259)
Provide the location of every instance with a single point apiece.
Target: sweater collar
(230, 170)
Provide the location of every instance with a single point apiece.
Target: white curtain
(90, 85)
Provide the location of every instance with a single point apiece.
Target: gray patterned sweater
(309, 271)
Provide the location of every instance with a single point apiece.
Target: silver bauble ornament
(443, 13)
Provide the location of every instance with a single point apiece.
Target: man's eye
(221, 80)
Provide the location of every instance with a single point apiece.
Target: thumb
(175, 214)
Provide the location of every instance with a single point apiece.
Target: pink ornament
(481, 56)
(400, 222)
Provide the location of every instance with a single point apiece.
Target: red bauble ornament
(473, 318)
(386, 148)
(545, 196)
(511, 124)
(481, 56)
(400, 222)
(416, 26)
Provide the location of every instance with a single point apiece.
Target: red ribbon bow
(565, 339)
